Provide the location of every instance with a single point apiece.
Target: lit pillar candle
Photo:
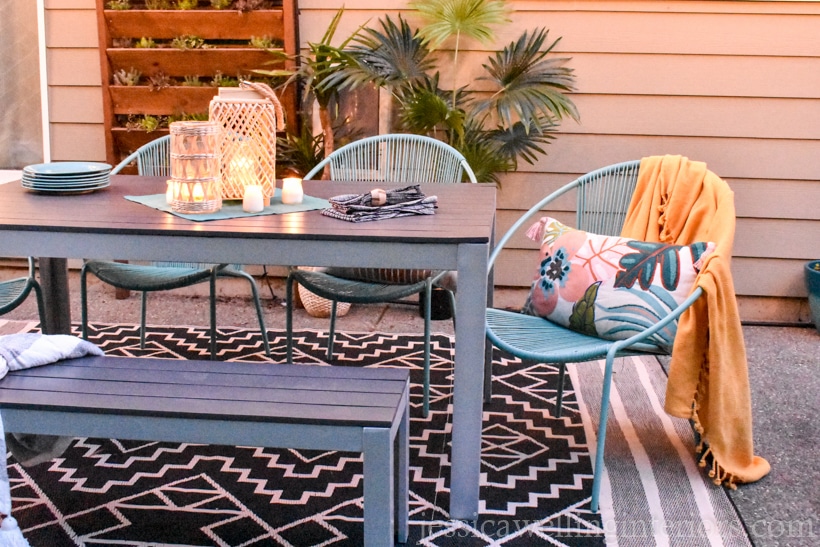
(243, 169)
(292, 191)
(198, 193)
(169, 192)
(253, 201)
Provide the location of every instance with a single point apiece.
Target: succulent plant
(188, 41)
(118, 4)
(127, 77)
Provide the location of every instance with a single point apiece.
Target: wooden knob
(378, 197)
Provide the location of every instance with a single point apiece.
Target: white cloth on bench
(27, 350)
(18, 352)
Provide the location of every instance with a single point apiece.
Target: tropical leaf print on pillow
(608, 286)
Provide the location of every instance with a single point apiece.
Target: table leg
(54, 280)
(468, 386)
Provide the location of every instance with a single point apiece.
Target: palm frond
(483, 153)
(529, 85)
(473, 18)
(520, 141)
(396, 54)
(426, 109)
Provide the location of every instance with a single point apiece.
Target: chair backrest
(602, 201)
(153, 158)
(396, 157)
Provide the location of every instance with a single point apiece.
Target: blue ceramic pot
(812, 272)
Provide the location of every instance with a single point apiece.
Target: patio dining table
(105, 225)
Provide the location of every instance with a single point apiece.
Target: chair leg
(332, 334)
(261, 317)
(256, 301)
(212, 310)
(41, 307)
(428, 293)
(289, 318)
(599, 450)
(143, 306)
(83, 303)
(559, 399)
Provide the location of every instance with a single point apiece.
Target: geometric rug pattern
(536, 471)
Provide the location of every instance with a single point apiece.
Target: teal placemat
(233, 208)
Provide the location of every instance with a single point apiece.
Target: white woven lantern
(194, 184)
(250, 116)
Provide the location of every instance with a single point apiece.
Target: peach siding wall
(733, 83)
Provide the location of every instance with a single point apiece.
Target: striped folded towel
(400, 202)
(21, 351)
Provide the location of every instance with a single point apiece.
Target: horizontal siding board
(777, 199)
(76, 104)
(730, 158)
(714, 75)
(74, 66)
(696, 116)
(81, 25)
(77, 142)
(676, 33)
(70, 4)
(777, 238)
(754, 198)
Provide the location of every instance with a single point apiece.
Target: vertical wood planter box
(228, 34)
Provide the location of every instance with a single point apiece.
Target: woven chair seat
(354, 291)
(138, 277)
(536, 338)
(11, 290)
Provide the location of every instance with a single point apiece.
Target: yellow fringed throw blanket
(679, 201)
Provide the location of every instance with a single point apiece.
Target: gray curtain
(21, 135)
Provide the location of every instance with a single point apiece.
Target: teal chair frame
(13, 292)
(393, 159)
(603, 197)
(153, 159)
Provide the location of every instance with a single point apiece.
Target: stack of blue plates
(66, 176)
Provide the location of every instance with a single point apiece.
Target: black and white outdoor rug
(535, 482)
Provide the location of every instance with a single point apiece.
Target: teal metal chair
(13, 292)
(603, 197)
(153, 159)
(394, 159)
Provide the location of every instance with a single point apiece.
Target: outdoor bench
(236, 404)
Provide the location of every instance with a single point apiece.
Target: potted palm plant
(812, 275)
(524, 88)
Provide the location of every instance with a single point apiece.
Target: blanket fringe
(717, 473)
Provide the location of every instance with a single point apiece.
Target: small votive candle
(253, 201)
(292, 191)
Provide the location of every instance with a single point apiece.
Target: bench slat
(284, 370)
(200, 409)
(220, 380)
(356, 395)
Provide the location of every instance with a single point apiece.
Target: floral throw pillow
(610, 287)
